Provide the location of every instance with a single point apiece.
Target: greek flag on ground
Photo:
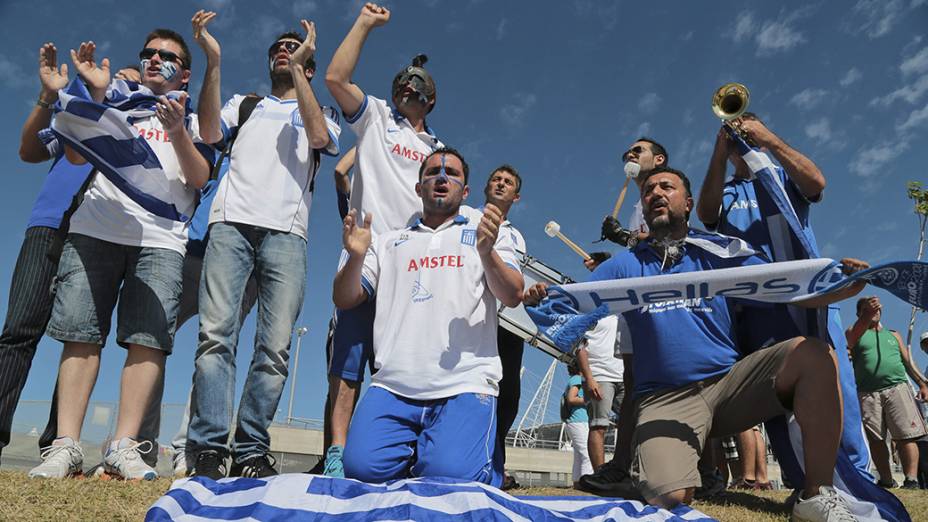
(103, 134)
(299, 496)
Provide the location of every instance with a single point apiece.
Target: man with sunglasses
(647, 154)
(118, 250)
(431, 407)
(258, 224)
(392, 143)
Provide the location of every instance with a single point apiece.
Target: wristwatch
(42, 103)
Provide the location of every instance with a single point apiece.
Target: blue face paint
(443, 175)
(168, 69)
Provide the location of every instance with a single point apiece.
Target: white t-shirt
(636, 222)
(108, 214)
(271, 171)
(389, 155)
(435, 326)
(601, 347)
(517, 238)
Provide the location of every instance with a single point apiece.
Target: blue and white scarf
(103, 134)
(300, 496)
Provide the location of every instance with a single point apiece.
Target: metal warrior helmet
(418, 78)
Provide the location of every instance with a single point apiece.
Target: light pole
(296, 364)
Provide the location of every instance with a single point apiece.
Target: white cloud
(644, 129)
(852, 76)
(916, 64)
(869, 161)
(217, 5)
(513, 114)
(819, 130)
(304, 8)
(649, 103)
(879, 16)
(501, 29)
(777, 36)
(12, 74)
(916, 118)
(910, 92)
(744, 27)
(808, 98)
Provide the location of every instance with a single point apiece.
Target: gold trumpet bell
(730, 101)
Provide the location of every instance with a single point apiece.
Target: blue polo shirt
(64, 179)
(749, 213)
(683, 341)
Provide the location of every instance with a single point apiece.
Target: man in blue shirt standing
(743, 207)
(691, 381)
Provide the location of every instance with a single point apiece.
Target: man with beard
(690, 379)
(431, 407)
(392, 143)
(258, 224)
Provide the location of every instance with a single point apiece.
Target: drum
(517, 321)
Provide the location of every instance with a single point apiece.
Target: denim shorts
(94, 274)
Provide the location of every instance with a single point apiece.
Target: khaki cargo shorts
(673, 425)
(893, 408)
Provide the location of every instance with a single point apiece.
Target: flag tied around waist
(570, 308)
(299, 496)
(104, 135)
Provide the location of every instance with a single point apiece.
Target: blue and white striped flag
(299, 496)
(103, 134)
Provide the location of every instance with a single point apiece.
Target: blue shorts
(392, 437)
(94, 274)
(351, 343)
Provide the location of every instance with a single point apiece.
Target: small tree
(920, 197)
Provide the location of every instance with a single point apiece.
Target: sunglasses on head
(637, 149)
(168, 56)
(289, 45)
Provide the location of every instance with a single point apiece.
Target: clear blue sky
(557, 89)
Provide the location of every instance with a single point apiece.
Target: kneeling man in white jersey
(431, 407)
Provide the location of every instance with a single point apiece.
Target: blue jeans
(278, 260)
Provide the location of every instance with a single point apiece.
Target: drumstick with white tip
(554, 230)
(631, 172)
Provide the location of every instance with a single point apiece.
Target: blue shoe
(333, 462)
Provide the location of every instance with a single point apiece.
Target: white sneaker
(827, 506)
(180, 464)
(124, 459)
(64, 458)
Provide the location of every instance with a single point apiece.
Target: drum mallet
(554, 230)
(631, 172)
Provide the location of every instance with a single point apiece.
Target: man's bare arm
(804, 173)
(710, 195)
(209, 104)
(338, 76)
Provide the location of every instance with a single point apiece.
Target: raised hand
(488, 229)
(307, 49)
(758, 133)
(201, 34)
(374, 15)
(96, 76)
(171, 114)
(356, 238)
(51, 75)
(849, 265)
(535, 294)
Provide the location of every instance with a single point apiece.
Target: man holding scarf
(126, 243)
(690, 379)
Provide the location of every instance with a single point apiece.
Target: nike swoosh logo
(393, 130)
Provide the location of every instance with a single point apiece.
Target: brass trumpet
(728, 103)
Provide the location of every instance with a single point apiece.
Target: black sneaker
(609, 481)
(210, 465)
(713, 484)
(509, 483)
(887, 484)
(910, 484)
(259, 466)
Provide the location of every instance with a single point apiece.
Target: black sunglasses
(169, 56)
(637, 149)
(290, 46)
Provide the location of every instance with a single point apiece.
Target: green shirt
(877, 361)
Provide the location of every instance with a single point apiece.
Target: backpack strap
(244, 112)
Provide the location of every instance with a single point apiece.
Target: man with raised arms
(392, 143)
(431, 407)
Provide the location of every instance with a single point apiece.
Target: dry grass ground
(93, 500)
